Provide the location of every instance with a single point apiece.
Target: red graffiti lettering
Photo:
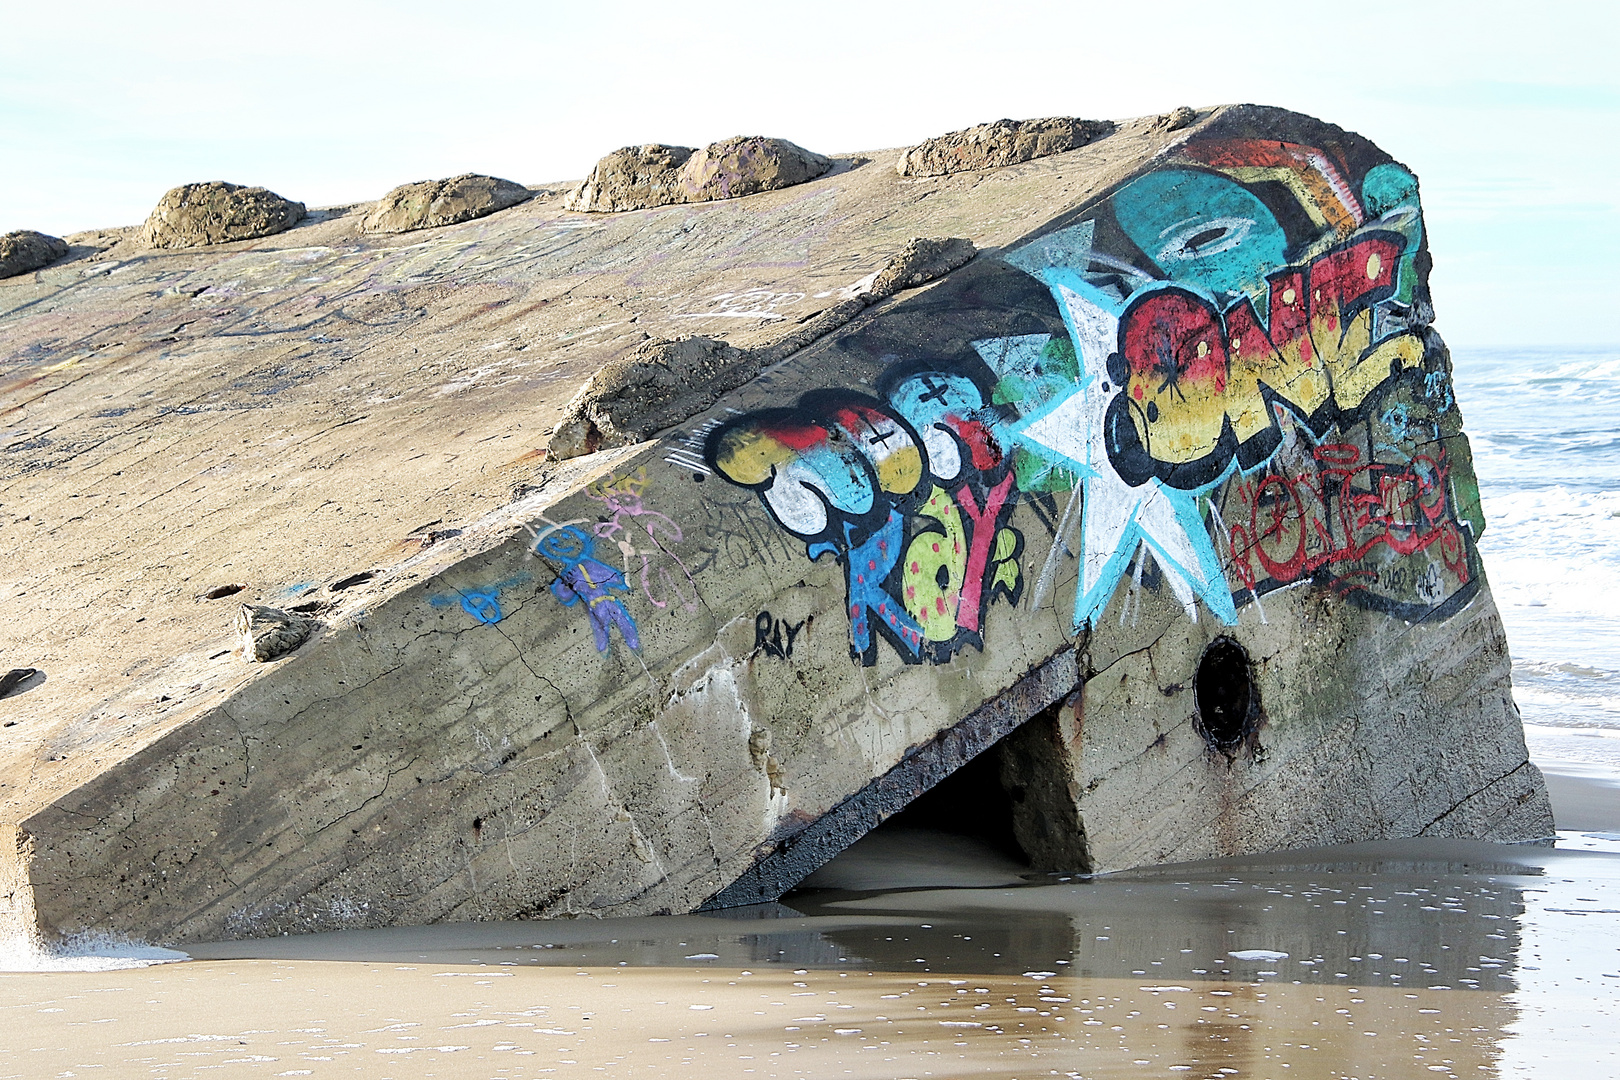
(1291, 527)
(983, 533)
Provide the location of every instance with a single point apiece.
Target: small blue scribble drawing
(483, 605)
(484, 602)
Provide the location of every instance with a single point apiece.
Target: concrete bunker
(1044, 482)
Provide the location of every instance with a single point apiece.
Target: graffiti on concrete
(1243, 398)
(1197, 383)
(910, 493)
(774, 636)
(481, 602)
(1250, 300)
(582, 580)
(646, 540)
(748, 304)
(687, 449)
(1370, 517)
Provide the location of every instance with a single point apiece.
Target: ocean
(1545, 430)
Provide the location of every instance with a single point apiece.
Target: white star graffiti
(1117, 519)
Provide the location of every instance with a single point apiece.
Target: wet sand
(1585, 796)
(922, 954)
(277, 1018)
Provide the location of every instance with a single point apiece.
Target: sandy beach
(925, 955)
(328, 1019)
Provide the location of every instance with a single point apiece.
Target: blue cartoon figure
(581, 578)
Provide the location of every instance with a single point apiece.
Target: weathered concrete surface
(25, 250)
(663, 383)
(429, 204)
(998, 144)
(215, 212)
(643, 177)
(627, 681)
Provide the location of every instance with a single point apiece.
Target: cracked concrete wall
(1405, 730)
(428, 765)
(1197, 402)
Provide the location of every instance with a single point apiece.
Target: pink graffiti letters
(628, 520)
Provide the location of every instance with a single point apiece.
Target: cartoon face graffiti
(1202, 229)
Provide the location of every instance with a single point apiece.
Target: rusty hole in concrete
(1224, 694)
(220, 592)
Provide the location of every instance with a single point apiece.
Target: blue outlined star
(1117, 518)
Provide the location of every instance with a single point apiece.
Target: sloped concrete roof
(286, 413)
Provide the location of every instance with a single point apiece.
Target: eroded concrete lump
(24, 251)
(745, 165)
(215, 212)
(1002, 142)
(268, 632)
(632, 178)
(639, 177)
(1179, 117)
(922, 260)
(428, 204)
(657, 386)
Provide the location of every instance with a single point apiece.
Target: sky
(1508, 112)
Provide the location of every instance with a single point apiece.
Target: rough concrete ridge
(1195, 499)
(429, 204)
(642, 177)
(998, 144)
(663, 383)
(25, 250)
(215, 212)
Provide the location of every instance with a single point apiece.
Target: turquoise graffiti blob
(1390, 194)
(1202, 230)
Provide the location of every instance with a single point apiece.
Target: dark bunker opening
(1013, 798)
(970, 802)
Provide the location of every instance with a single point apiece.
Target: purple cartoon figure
(582, 579)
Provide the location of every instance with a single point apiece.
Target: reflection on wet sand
(1424, 914)
(317, 1018)
(919, 955)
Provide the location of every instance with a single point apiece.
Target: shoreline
(1585, 795)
